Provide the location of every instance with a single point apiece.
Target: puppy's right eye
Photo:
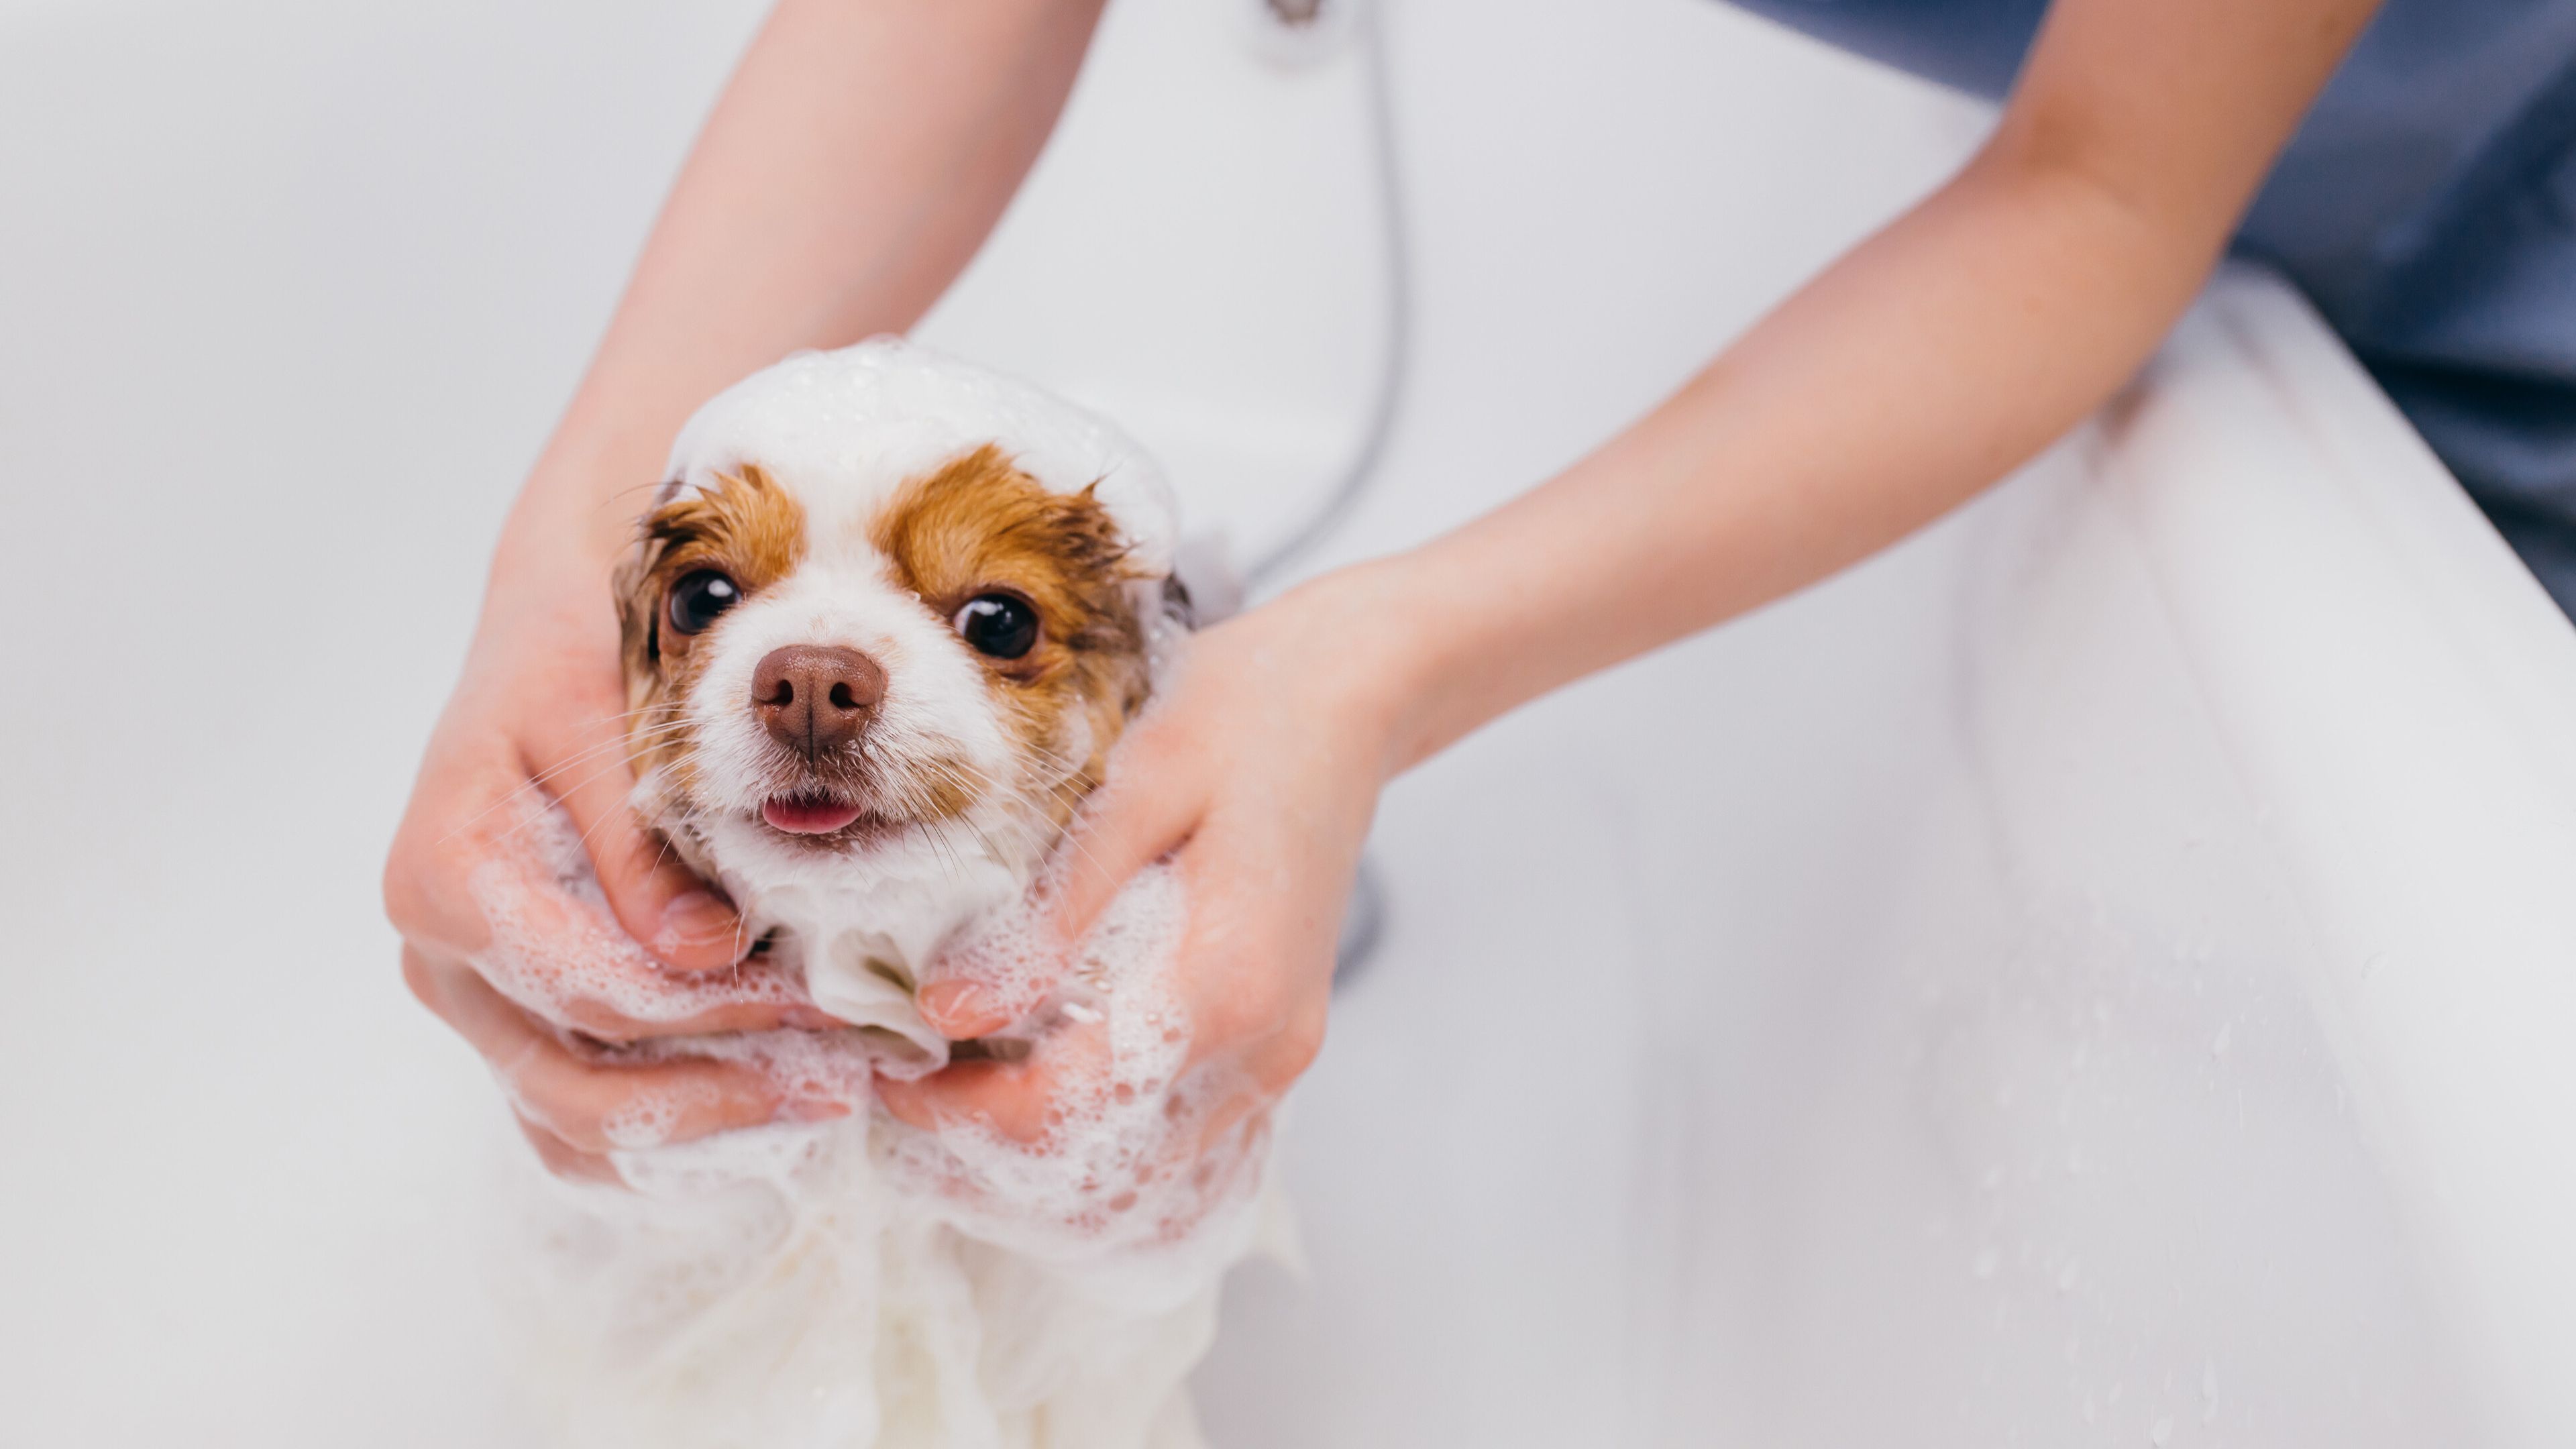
(698, 598)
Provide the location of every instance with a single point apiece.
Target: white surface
(1939, 1064)
(2399, 700)
(1885, 1020)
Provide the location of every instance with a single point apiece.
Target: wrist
(584, 495)
(574, 517)
(1391, 646)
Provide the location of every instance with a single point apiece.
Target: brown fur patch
(979, 525)
(746, 527)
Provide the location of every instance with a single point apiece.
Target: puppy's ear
(1178, 606)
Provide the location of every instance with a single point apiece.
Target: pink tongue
(807, 815)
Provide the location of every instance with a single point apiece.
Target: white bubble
(555, 949)
(857, 1282)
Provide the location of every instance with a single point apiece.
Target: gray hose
(1396, 246)
(1363, 924)
(1364, 916)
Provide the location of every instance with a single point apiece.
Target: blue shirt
(2427, 206)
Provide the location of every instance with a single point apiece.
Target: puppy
(881, 630)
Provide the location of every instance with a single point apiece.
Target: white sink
(2096, 975)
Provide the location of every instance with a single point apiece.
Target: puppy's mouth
(810, 814)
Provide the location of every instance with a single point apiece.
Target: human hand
(506, 937)
(1256, 773)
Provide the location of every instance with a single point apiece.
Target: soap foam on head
(870, 416)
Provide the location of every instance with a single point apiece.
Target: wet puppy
(881, 630)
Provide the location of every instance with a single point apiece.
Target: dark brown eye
(698, 598)
(1002, 625)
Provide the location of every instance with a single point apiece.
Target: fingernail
(696, 918)
(812, 1109)
(955, 1003)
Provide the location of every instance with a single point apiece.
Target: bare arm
(853, 166)
(1925, 365)
(1916, 371)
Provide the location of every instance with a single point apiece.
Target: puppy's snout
(816, 698)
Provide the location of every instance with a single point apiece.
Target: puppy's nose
(816, 698)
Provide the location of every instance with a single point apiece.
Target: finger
(598, 1019)
(1255, 962)
(683, 921)
(467, 849)
(1234, 1141)
(567, 1161)
(1268, 1023)
(598, 1107)
(1017, 1099)
(1227, 1166)
(1240, 1122)
(1153, 800)
(428, 890)
(991, 979)
(559, 957)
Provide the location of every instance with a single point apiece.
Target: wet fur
(971, 526)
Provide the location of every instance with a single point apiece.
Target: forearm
(852, 168)
(1920, 368)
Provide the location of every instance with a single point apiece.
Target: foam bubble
(1124, 1163)
(557, 951)
(858, 1282)
(857, 422)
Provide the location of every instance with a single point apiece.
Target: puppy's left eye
(697, 599)
(999, 624)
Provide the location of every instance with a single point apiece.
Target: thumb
(660, 902)
(994, 977)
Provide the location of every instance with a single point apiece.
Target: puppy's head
(890, 608)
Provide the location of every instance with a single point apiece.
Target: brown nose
(816, 698)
